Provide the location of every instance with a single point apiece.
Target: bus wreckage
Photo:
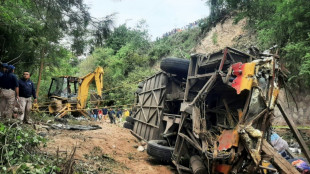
(212, 114)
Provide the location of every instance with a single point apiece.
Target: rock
(140, 149)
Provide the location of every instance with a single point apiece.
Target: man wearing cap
(26, 91)
(9, 91)
(3, 68)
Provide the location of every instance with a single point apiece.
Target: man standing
(26, 90)
(95, 113)
(105, 113)
(9, 91)
(111, 113)
(126, 113)
(119, 114)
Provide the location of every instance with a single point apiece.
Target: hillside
(226, 33)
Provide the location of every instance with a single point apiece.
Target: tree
(33, 32)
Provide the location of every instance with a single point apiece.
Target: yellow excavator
(69, 94)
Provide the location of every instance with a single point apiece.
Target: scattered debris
(140, 148)
(75, 127)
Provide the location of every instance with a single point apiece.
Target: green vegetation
(33, 32)
(128, 56)
(18, 147)
(214, 38)
(281, 22)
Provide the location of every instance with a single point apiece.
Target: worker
(26, 92)
(11, 69)
(126, 113)
(119, 114)
(105, 113)
(99, 114)
(111, 113)
(9, 91)
(95, 113)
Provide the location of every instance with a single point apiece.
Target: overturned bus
(211, 114)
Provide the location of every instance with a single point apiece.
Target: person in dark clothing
(105, 113)
(119, 114)
(9, 91)
(95, 113)
(26, 91)
(11, 68)
(111, 113)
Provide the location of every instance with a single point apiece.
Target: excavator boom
(84, 83)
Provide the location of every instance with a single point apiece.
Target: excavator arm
(84, 84)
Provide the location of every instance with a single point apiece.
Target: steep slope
(226, 33)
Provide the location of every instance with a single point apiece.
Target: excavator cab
(65, 87)
(69, 94)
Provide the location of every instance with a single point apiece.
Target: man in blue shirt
(111, 114)
(95, 113)
(26, 91)
(9, 91)
(119, 114)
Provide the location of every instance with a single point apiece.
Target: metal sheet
(151, 103)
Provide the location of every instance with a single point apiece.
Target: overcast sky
(161, 15)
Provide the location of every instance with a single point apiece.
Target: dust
(111, 149)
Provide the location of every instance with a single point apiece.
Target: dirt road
(111, 149)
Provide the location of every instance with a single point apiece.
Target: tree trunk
(40, 73)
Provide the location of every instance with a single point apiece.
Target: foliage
(218, 12)
(128, 56)
(122, 35)
(66, 65)
(102, 31)
(281, 22)
(32, 29)
(54, 32)
(177, 45)
(214, 38)
(18, 151)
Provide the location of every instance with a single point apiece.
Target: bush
(18, 151)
